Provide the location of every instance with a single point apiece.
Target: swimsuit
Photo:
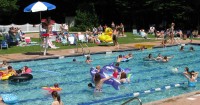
(97, 90)
(191, 84)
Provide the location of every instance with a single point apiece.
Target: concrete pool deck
(185, 99)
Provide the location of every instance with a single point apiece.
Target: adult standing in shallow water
(99, 82)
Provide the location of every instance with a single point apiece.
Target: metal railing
(134, 98)
(82, 47)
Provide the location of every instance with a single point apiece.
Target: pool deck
(185, 99)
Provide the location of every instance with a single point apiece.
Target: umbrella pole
(45, 39)
(46, 42)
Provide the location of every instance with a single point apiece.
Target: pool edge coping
(100, 52)
(173, 98)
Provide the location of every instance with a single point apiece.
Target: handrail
(87, 48)
(83, 51)
(134, 98)
(81, 47)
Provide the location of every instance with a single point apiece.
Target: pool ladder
(134, 98)
(83, 49)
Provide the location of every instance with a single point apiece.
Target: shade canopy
(39, 6)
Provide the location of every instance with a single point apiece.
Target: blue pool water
(73, 78)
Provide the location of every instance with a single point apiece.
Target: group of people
(10, 70)
(118, 74)
(190, 49)
(14, 36)
(159, 58)
(24, 70)
(121, 58)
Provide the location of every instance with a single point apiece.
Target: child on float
(10, 70)
(123, 78)
(115, 73)
(56, 85)
(26, 70)
(98, 68)
(128, 56)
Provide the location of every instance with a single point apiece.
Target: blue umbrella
(39, 6)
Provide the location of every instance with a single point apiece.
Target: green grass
(17, 49)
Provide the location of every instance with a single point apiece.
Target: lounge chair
(4, 44)
(82, 38)
(72, 39)
(63, 40)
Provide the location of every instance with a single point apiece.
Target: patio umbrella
(38, 7)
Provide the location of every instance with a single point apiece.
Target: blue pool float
(9, 98)
(111, 67)
(126, 59)
(112, 81)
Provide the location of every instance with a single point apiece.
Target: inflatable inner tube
(9, 98)
(22, 78)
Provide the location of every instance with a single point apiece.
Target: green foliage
(74, 29)
(8, 5)
(85, 20)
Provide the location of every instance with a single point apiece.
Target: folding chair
(4, 44)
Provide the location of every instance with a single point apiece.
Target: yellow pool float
(6, 76)
(106, 36)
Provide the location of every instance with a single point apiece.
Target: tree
(85, 20)
(86, 17)
(8, 5)
(7, 9)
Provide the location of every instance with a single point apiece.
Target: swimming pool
(73, 78)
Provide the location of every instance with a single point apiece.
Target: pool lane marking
(139, 93)
(134, 94)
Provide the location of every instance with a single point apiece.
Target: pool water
(73, 78)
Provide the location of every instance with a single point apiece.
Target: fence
(28, 27)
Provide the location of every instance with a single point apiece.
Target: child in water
(88, 60)
(90, 86)
(119, 58)
(56, 85)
